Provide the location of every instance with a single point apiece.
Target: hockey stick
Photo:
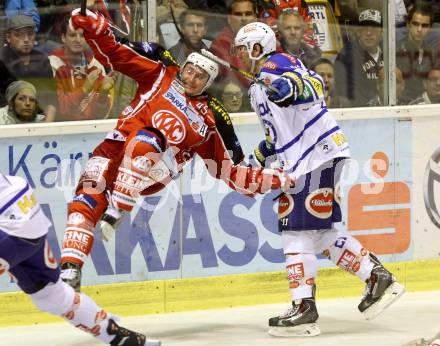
(245, 74)
(218, 60)
(83, 7)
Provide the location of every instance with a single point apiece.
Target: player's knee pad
(54, 298)
(349, 254)
(301, 273)
(142, 151)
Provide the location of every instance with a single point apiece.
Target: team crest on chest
(170, 125)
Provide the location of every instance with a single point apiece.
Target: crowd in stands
(49, 73)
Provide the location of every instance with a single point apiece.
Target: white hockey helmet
(253, 33)
(211, 67)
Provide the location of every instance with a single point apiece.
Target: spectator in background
(325, 69)
(414, 56)
(358, 62)
(22, 104)
(193, 27)
(83, 88)
(26, 63)
(432, 88)
(232, 97)
(24, 7)
(380, 89)
(291, 27)
(240, 13)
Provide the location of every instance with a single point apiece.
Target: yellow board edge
(150, 297)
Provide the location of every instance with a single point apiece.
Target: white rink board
(220, 231)
(415, 315)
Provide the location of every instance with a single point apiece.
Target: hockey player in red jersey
(170, 119)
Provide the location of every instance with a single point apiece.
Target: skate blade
(392, 293)
(309, 329)
(152, 342)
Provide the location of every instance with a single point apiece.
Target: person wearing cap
(22, 104)
(24, 62)
(358, 62)
(414, 56)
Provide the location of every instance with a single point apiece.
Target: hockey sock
(78, 239)
(301, 273)
(348, 254)
(77, 308)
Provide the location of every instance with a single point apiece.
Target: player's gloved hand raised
(92, 23)
(286, 94)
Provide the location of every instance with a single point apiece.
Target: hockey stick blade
(245, 74)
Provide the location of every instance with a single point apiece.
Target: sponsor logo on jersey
(270, 65)
(319, 203)
(27, 203)
(177, 86)
(170, 125)
(349, 262)
(325, 146)
(339, 138)
(285, 206)
(177, 99)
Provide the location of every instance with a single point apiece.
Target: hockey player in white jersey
(25, 253)
(309, 145)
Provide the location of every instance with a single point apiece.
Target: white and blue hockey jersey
(304, 134)
(20, 213)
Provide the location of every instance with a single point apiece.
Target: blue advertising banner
(199, 227)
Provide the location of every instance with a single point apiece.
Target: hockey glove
(287, 91)
(263, 151)
(92, 23)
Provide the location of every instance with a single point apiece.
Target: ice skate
(298, 320)
(126, 337)
(71, 275)
(381, 291)
(434, 341)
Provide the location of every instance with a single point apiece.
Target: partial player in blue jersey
(309, 145)
(25, 253)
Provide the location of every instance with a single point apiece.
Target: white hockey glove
(111, 219)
